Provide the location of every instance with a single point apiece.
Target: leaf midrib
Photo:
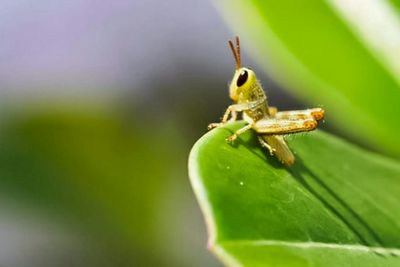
(311, 245)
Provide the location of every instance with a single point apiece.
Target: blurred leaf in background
(342, 55)
(100, 103)
(113, 182)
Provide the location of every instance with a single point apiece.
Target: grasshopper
(270, 125)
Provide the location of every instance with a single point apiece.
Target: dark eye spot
(242, 78)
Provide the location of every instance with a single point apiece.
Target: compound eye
(242, 78)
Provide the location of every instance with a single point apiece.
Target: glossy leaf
(342, 55)
(337, 206)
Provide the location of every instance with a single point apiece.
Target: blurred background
(101, 101)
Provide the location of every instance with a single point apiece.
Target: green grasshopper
(270, 125)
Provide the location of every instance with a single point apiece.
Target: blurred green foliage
(100, 172)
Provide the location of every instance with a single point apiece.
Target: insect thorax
(256, 94)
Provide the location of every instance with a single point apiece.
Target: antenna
(238, 50)
(235, 51)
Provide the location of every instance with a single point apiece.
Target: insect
(270, 125)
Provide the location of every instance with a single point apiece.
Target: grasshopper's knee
(310, 124)
(289, 161)
(318, 113)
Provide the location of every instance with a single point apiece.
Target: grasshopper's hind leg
(277, 146)
(272, 111)
(275, 126)
(312, 113)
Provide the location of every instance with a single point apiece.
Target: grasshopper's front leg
(239, 132)
(228, 111)
(233, 110)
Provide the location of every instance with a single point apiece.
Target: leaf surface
(337, 206)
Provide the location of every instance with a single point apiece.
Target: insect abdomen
(280, 148)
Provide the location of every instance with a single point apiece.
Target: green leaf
(337, 205)
(342, 56)
(95, 170)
